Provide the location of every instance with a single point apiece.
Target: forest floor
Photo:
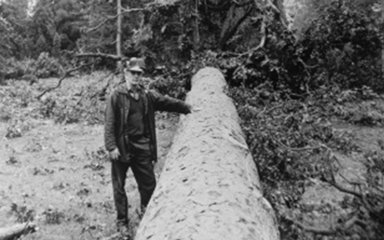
(54, 169)
(59, 174)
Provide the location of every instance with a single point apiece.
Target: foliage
(98, 33)
(344, 43)
(288, 91)
(53, 216)
(21, 110)
(46, 66)
(37, 36)
(13, 23)
(169, 85)
(22, 213)
(30, 69)
(81, 105)
(342, 46)
(293, 142)
(48, 27)
(16, 103)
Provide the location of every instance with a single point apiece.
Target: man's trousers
(142, 167)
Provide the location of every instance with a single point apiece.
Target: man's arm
(165, 103)
(109, 125)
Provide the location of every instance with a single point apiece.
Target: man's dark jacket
(116, 118)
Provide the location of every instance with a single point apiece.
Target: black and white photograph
(191, 119)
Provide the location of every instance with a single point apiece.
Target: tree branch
(305, 65)
(363, 197)
(102, 55)
(266, 111)
(66, 74)
(307, 148)
(327, 231)
(129, 10)
(346, 190)
(338, 186)
(263, 31)
(101, 24)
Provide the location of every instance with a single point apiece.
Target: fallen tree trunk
(209, 187)
(16, 230)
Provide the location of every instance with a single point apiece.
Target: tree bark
(209, 187)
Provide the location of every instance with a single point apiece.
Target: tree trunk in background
(118, 38)
(209, 187)
(196, 34)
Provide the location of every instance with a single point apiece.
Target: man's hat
(135, 65)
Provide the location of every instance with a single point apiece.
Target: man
(130, 137)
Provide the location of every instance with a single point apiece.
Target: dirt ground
(58, 176)
(60, 173)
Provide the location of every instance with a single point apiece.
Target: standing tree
(105, 38)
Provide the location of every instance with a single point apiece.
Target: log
(14, 231)
(209, 188)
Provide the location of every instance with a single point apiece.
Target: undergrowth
(294, 142)
(72, 103)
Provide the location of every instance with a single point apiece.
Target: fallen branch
(100, 24)
(367, 198)
(316, 230)
(273, 7)
(129, 10)
(102, 55)
(266, 111)
(306, 65)
(341, 188)
(65, 75)
(263, 32)
(343, 227)
(307, 148)
(17, 230)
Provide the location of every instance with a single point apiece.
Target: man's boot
(122, 228)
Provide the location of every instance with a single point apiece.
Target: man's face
(132, 77)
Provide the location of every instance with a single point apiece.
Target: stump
(209, 188)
